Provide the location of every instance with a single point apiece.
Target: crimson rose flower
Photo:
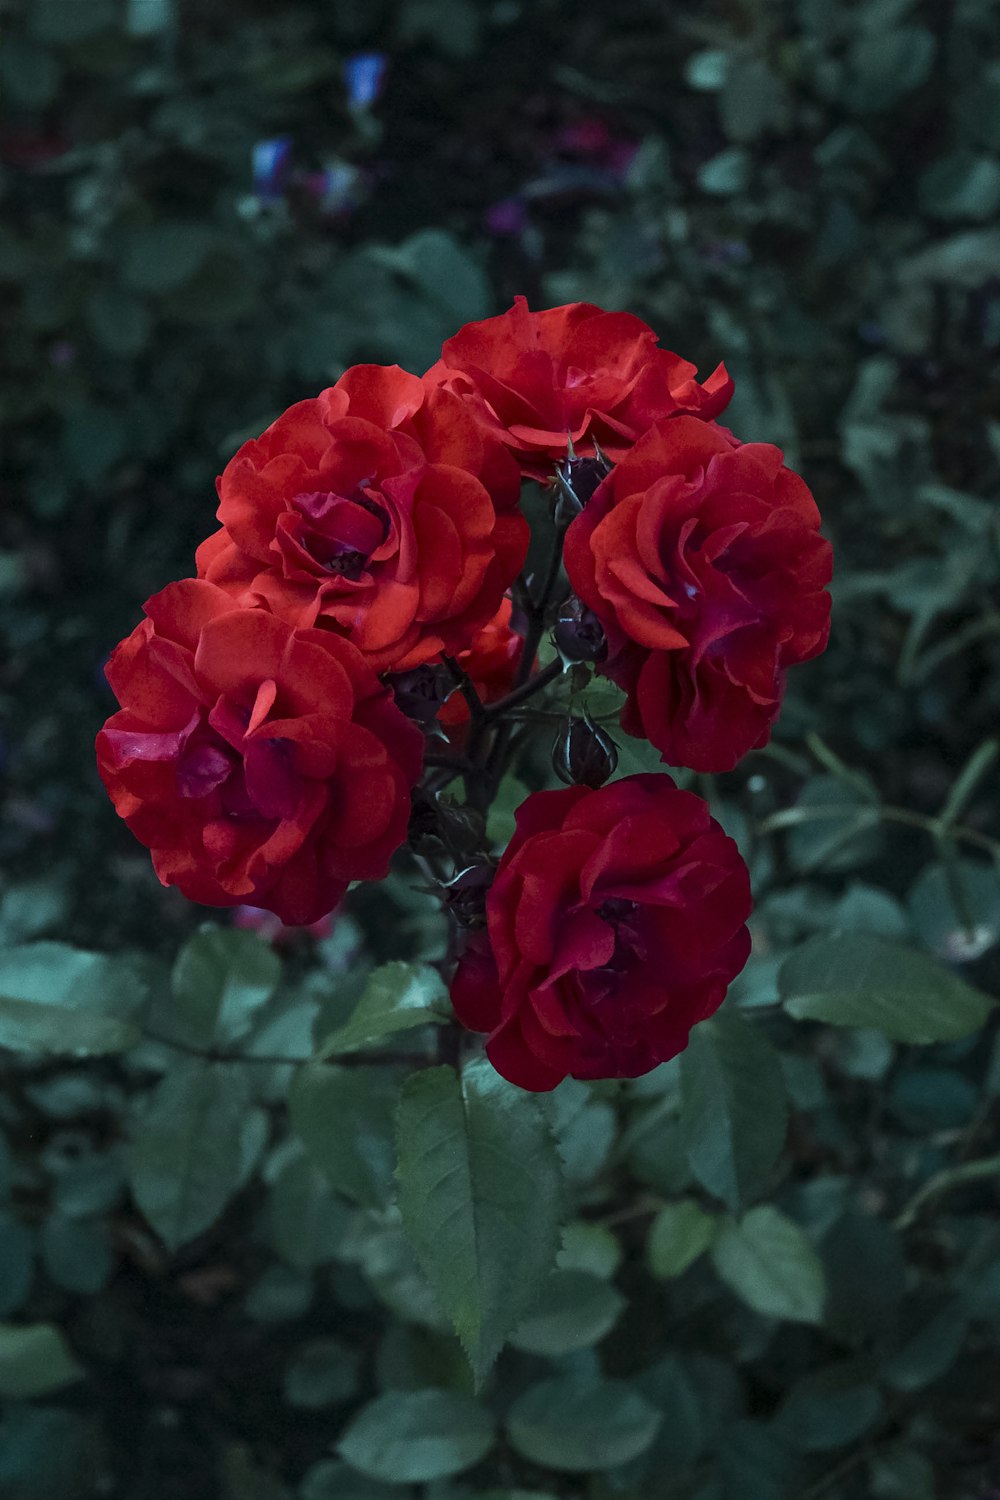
(536, 377)
(702, 559)
(260, 763)
(614, 923)
(380, 510)
(490, 662)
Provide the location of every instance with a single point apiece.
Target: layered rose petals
(537, 379)
(380, 510)
(703, 561)
(260, 763)
(615, 922)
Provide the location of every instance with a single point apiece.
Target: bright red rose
(536, 377)
(702, 559)
(261, 764)
(614, 924)
(380, 510)
(490, 662)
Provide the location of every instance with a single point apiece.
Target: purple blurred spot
(270, 167)
(364, 76)
(509, 216)
(62, 353)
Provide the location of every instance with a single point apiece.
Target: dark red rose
(490, 662)
(702, 559)
(380, 510)
(261, 764)
(614, 924)
(536, 377)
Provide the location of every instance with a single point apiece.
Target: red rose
(379, 510)
(703, 561)
(261, 764)
(614, 923)
(536, 377)
(490, 662)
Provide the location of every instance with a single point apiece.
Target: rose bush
(538, 379)
(702, 559)
(260, 763)
(379, 510)
(614, 924)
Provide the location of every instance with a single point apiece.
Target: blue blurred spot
(364, 75)
(270, 166)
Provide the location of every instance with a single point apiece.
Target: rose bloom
(379, 510)
(537, 379)
(491, 662)
(703, 561)
(261, 764)
(615, 922)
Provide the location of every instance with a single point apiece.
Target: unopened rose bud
(583, 755)
(578, 633)
(465, 896)
(420, 692)
(578, 478)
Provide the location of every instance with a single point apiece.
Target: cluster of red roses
(260, 751)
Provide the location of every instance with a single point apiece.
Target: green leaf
(859, 979)
(574, 1311)
(829, 1409)
(771, 1266)
(187, 1147)
(480, 1194)
(221, 978)
(345, 1118)
(581, 1425)
(308, 1223)
(332, 1480)
(397, 997)
(679, 1234)
(34, 1360)
(413, 1437)
(955, 909)
(965, 260)
(65, 1001)
(734, 1112)
(163, 256)
(17, 1261)
(76, 1253)
(322, 1373)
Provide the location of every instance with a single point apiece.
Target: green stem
(943, 1182)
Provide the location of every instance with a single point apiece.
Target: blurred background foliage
(208, 211)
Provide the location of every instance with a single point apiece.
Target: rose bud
(420, 692)
(465, 896)
(578, 478)
(579, 634)
(583, 755)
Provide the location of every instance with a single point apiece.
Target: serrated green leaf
(187, 1147)
(34, 1360)
(413, 1437)
(397, 997)
(734, 1113)
(480, 1195)
(581, 1425)
(771, 1266)
(859, 979)
(345, 1118)
(680, 1233)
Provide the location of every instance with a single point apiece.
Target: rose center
(341, 532)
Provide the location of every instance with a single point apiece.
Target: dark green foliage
(770, 1270)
